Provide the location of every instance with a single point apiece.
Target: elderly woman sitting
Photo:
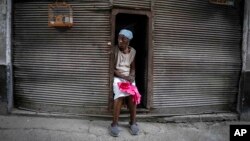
(124, 71)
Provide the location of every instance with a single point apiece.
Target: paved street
(33, 128)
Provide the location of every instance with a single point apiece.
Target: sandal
(134, 129)
(114, 131)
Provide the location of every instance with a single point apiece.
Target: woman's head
(124, 38)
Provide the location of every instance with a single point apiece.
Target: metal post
(9, 71)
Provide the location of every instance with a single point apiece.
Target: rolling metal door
(197, 56)
(57, 66)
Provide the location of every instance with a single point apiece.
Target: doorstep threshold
(124, 113)
(141, 117)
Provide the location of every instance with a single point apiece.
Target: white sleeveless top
(124, 61)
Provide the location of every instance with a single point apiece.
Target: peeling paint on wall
(3, 9)
(2, 32)
(2, 29)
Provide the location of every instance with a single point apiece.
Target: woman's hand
(129, 78)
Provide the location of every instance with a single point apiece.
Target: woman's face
(123, 42)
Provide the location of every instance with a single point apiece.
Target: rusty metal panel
(66, 67)
(144, 4)
(197, 54)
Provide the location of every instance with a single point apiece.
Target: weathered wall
(2, 30)
(244, 107)
(244, 100)
(3, 94)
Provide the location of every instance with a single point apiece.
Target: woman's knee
(120, 99)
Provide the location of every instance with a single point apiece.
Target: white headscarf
(126, 33)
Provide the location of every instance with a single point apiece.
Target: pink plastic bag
(127, 87)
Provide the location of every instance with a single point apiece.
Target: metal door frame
(150, 52)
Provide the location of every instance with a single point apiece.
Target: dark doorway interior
(138, 25)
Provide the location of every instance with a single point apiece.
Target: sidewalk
(32, 128)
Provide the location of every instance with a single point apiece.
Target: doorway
(138, 23)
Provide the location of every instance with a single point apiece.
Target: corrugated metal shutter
(197, 59)
(62, 67)
(144, 4)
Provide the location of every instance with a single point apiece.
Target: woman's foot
(134, 129)
(114, 130)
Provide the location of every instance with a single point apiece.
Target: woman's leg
(134, 129)
(132, 110)
(117, 109)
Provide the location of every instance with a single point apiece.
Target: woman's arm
(132, 72)
(117, 73)
(131, 76)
